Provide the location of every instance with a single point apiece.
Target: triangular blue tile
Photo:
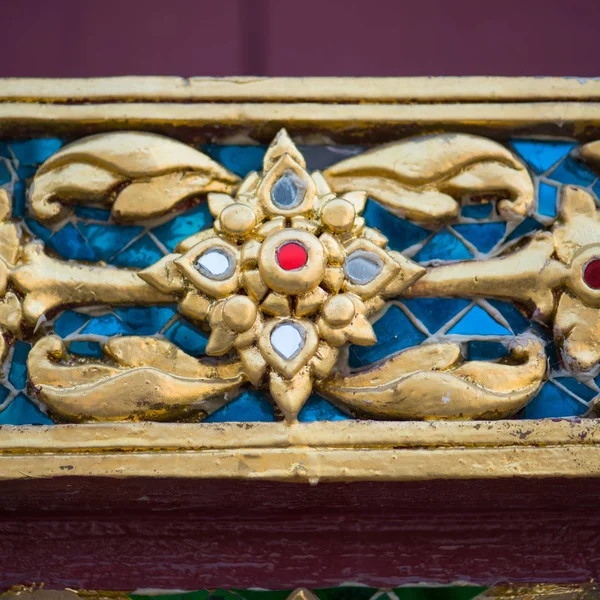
(250, 406)
(141, 254)
(539, 155)
(484, 236)
(21, 411)
(477, 211)
(400, 233)
(547, 199)
(478, 322)
(573, 172)
(550, 402)
(394, 331)
(319, 409)
(434, 313)
(527, 226)
(184, 225)
(443, 246)
(518, 323)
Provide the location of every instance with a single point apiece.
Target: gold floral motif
(232, 279)
(258, 296)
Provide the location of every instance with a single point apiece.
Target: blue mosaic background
(480, 233)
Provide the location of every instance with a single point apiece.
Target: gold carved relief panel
(296, 270)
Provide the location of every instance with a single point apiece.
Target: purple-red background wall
(78, 38)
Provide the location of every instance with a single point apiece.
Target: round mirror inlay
(288, 191)
(216, 263)
(288, 339)
(362, 267)
(591, 274)
(292, 256)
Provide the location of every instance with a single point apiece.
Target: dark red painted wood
(70, 38)
(116, 534)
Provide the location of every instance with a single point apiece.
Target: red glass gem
(591, 274)
(292, 256)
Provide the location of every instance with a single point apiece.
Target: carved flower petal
(164, 275)
(290, 394)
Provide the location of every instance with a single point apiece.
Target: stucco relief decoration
(290, 274)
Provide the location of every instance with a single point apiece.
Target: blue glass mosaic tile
(4, 393)
(89, 349)
(251, 405)
(146, 320)
(478, 322)
(434, 313)
(93, 214)
(443, 246)
(241, 160)
(527, 226)
(484, 236)
(108, 240)
(182, 226)
(573, 172)
(518, 323)
(21, 411)
(35, 152)
(18, 367)
(394, 331)
(26, 172)
(551, 401)
(19, 199)
(5, 174)
(319, 409)
(541, 155)
(482, 350)
(141, 254)
(68, 322)
(320, 157)
(106, 325)
(547, 196)
(69, 243)
(38, 230)
(477, 211)
(400, 233)
(579, 389)
(187, 337)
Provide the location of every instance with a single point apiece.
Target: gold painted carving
(280, 325)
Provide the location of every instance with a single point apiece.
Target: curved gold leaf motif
(50, 283)
(140, 174)
(429, 382)
(146, 379)
(424, 178)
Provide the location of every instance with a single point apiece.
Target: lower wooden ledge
(550, 591)
(323, 451)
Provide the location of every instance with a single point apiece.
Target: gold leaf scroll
(145, 379)
(432, 382)
(424, 178)
(141, 174)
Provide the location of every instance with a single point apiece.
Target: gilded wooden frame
(342, 109)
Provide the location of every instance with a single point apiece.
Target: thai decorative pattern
(367, 287)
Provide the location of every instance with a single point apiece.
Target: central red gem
(292, 256)
(591, 274)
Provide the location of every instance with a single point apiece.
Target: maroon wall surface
(71, 38)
